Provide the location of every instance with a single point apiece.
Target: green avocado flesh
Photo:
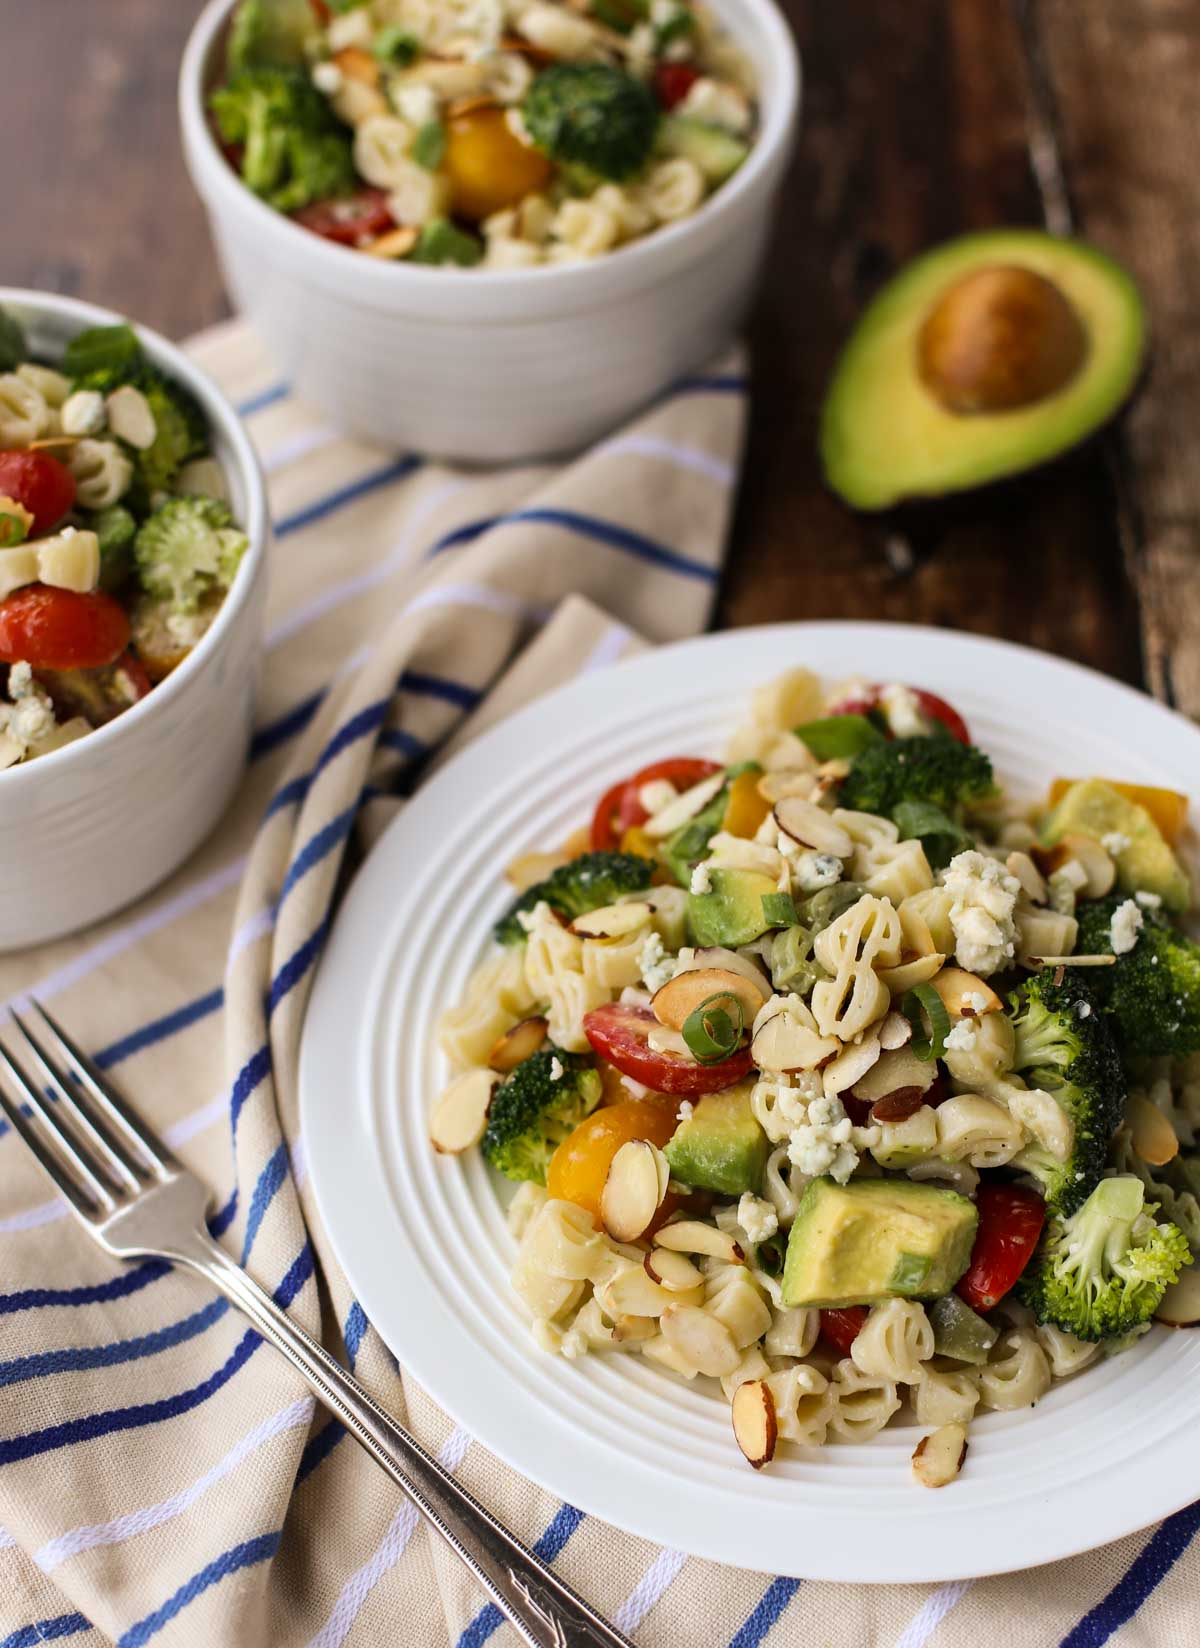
(720, 1147)
(884, 435)
(732, 912)
(875, 1239)
(1147, 865)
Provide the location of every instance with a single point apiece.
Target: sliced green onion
(399, 46)
(714, 1029)
(779, 910)
(792, 966)
(14, 529)
(822, 909)
(769, 1255)
(937, 832)
(922, 1002)
(838, 737)
(101, 349)
(429, 145)
(12, 343)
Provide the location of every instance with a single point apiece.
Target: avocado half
(890, 431)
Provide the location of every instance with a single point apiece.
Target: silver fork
(129, 1192)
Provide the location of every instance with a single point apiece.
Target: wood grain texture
(914, 129)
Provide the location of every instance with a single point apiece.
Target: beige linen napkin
(163, 1476)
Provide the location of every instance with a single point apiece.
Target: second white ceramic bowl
(496, 365)
(98, 823)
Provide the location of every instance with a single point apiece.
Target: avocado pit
(1000, 338)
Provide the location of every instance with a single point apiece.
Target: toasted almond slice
(1033, 883)
(754, 1423)
(685, 806)
(938, 1457)
(612, 921)
(518, 1044)
(700, 1339)
(1091, 857)
(812, 826)
(773, 786)
(783, 1043)
(632, 1293)
(895, 1032)
(49, 442)
(671, 1270)
(396, 243)
(898, 1106)
(851, 1065)
(1154, 1139)
(716, 955)
(530, 868)
(1180, 1304)
(460, 1115)
(633, 1190)
(1070, 961)
(130, 417)
(357, 64)
(893, 1071)
(633, 1329)
(954, 985)
(679, 997)
(469, 105)
(691, 1236)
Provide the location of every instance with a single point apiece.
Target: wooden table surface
(916, 126)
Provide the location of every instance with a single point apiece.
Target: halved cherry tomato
(579, 1167)
(57, 629)
(842, 1327)
(604, 820)
(1010, 1223)
(131, 666)
(672, 83)
(357, 217)
(489, 169)
(932, 707)
(620, 810)
(621, 1035)
(45, 486)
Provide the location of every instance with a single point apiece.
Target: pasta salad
(832, 1075)
(504, 134)
(117, 545)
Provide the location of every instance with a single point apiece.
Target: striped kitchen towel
(163, 1477)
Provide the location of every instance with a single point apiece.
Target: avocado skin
(732, 913)
(1093, 808)
(721, 1146)
(884, 438)
(875, 1239)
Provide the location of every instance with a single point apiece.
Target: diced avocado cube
(715, 151)
(731, 912)
(1147, 865)
(875, 1239)
(720, 1146)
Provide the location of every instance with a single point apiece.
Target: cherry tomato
(1010, 1223)
(357, 217)
(932, 708)
(45, 486)
(579, 1167)
(621, 1034)
(134, 671)
(672, 83)
(842, 1327)
(489, 169)
(681, 770)
(604, 832)
(321, 12)
(57, 629)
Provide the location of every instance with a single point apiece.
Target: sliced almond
(1070, 961)
(700, 1339)
(679, 998)
(633, 1329)
(1033, 883)
(1180, 1304)
(49, 442)
(396, 243)
(898, 1106)
(895, 1032)
(130, 417)
(677, 813)
(633, 1190)
(1154, 1139)
(938, 1457)
(812, 826)
(530, 868)
(671, 1270)
(783, 1043)
(632, 1293)
(754, 1422)
(518, 1044)
(612, 920)
(357, 64)
(773, 786)
(469, 105)
(460, 1115)
(691, 1236)
(716, 955)
(954, 985)
(851, 1065)
(892, 1072)
(1091, 857)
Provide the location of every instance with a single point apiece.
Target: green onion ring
(711, 1031)
(923, 998)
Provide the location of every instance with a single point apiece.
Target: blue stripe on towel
(232, 1561)
(1145, 1573)
(47, 1630)
(75, 1358)
(770, 1610)
(322, 507)
(489, 1618)
(265, 397)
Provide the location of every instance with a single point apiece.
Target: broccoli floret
(187, 549)
(1064, 1048)
(271, 34)
(1102, 1272)
(1152, 992)
(934, 769)
(592, 115)
(180, 424)
(544, 1099)
(294, 149)
(443, 242)
(586, 883)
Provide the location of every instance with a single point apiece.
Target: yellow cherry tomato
(489, 169)
(579, 1167)
(746, 808)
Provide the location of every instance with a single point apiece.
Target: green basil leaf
(839, 737)
(12, 343)
(938, 833)
(101, 349)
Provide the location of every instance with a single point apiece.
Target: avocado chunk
(720, 1146)
(875, 1239)
(980, 359)
(715, 151)
(731, 912)
(1147, 865)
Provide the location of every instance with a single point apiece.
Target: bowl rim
(256, 525)
(377, 278)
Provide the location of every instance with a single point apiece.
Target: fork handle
(545, 1612)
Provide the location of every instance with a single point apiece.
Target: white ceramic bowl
(496, 365)
(96, 824)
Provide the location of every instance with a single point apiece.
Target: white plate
(422, 1238)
